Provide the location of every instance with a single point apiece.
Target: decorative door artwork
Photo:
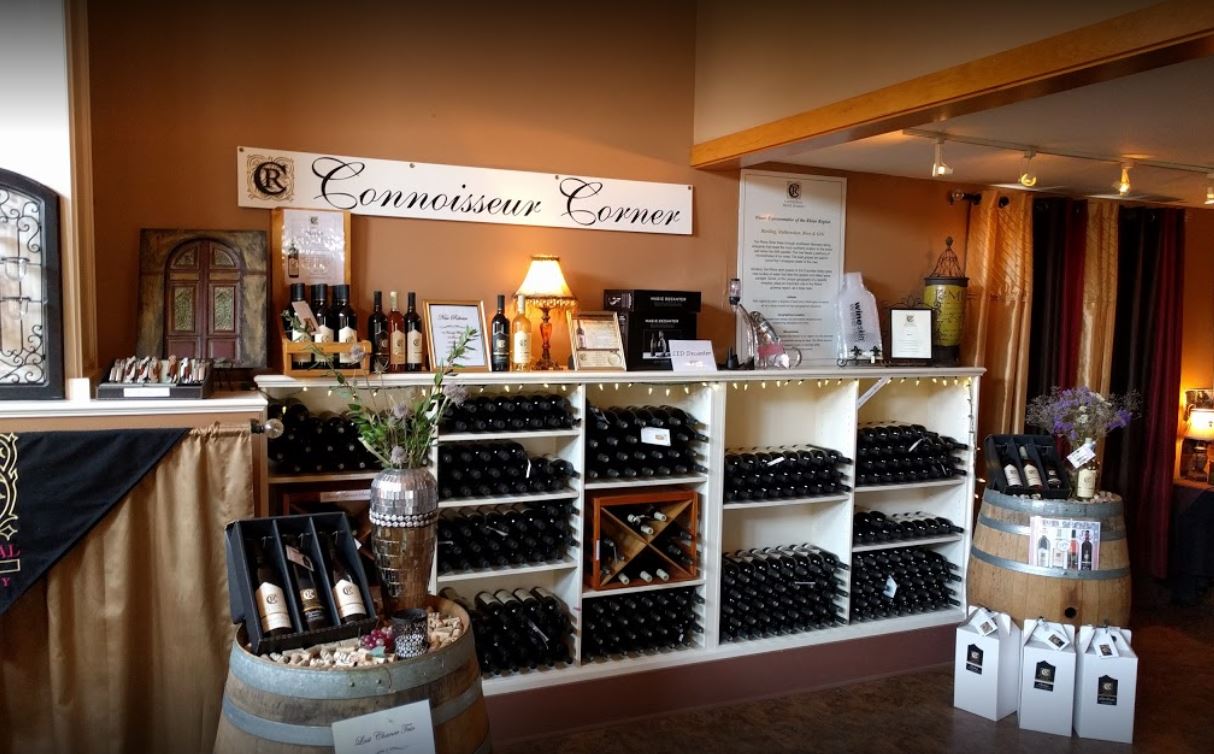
(31, 320)
(202, 301)
(203, 294)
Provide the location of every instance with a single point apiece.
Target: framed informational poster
(596, 343)
(790, 256)
(910, 335)
(311, 246)
(445, 322)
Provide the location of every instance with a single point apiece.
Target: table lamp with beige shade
(1201, 432)
(545, 288)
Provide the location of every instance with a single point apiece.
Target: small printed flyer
(1064, 543)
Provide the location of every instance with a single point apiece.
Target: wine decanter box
(1000, 450)
(1047, 677)
(649, 320)
(1106, 682)
(986, 668)
(272, 532)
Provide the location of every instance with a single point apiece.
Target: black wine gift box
(649, 320)
(242, 577)
(1041, 450)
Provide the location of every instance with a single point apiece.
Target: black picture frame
(896, 353)
(33, 368)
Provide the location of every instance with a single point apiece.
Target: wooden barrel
(1003, 576)
(270, 708)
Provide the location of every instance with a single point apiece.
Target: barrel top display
(1109, 505)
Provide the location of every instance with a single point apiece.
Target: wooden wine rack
(290, 348)
(608, 516)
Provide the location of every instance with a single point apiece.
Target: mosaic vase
(404, 512)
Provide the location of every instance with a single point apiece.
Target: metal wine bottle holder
(761, 341)
(404, 509)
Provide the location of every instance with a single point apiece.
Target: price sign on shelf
(692, 356)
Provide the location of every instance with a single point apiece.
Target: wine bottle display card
(296, 581)
(1073, 544)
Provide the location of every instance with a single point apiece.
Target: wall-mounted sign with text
(276, 178)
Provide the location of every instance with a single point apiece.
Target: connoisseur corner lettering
(275, 178)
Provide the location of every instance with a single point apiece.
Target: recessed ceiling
(1166, 114)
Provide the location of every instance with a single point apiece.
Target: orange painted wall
(538, 86)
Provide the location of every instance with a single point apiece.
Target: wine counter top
(244, 402)
(565, 376)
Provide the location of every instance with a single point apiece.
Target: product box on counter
(290, 544)
(1106, 682)
(649, 320)
(1047, 677)
(986, 669)
(1004, 450)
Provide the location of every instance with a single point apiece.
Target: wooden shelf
(335, 476)
(646, 482)
(512, 435)
(654, 587)
(825, 499)
(493, 573)
(943, 539)
(956, 481)
(540, 497)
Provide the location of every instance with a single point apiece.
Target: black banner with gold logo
(56, 486)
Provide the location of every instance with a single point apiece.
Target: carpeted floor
(914, 713)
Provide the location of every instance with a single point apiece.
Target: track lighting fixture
(1028, 178)
(1123, 184)
(940, 168)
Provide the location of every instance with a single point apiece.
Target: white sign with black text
(692, 356)
(277, 178)
(790, 256)
(407, 729)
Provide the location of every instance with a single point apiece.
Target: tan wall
(544, 87)
(765, 59)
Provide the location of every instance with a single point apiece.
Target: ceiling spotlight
(1209, 188)
(1123, 184)
(1028, 178)
(940, 168)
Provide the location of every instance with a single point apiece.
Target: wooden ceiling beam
(1171, 32)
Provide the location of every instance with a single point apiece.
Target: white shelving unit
(737, 410)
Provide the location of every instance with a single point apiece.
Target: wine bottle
(377, 331)
(271, 600)
(1011, 474)
(292, 260)
(415, 358)
(499, 329)
(397, 349)
(310, 606)
(346, 594)
(520, 337)
(1072, 560)
(346, 329)
(1085, 552)
(326, 322)
(1032, 475)
(297, 294)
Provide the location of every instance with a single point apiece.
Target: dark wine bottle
(310, 606)
(499, 338)
(415, 359)
(377, 332)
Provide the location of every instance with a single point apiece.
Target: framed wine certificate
(910, 335)
(596, 342)
(446, 321)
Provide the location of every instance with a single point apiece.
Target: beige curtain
(122, 647)
(1099, 296)
(999, 263)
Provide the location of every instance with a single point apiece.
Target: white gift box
(1047, 677)
(986, 668)
(1105, 685)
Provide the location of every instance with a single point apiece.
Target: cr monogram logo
(270, 177)
(794, 191)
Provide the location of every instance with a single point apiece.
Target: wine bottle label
(298, 336)
(397, 348)
(272, 607)
(1031, 476)
(349, 600)
(347, 335)
(1086, 488)
(655, 436)
(413, 347)
(521, 352)
(310, 600)
(323, 334)
(501, 346)
(1012, 475)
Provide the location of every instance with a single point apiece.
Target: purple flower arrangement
(1079, 413)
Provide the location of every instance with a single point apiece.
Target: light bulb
(940, 168)
(1123, 185)
(1028, 178)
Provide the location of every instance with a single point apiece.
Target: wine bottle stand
(822, 407)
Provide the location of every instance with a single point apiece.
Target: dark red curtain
(1059, 237)
(1146, 357)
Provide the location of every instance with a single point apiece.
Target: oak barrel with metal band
(1003, 577)
(271, 708)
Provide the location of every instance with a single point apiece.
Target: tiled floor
(914, 713)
